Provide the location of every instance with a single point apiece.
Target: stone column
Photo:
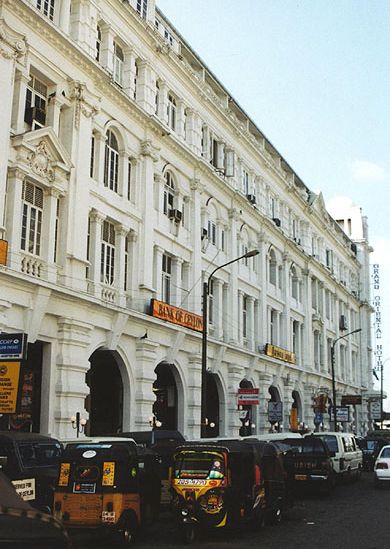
(158, 253)
(130, 73)
(287, 404)
(133, 269)
(308, 348)
(53, 113)
(107, 48)
(120, 235)
(96, 222)
(73, 339)
(64, 17)
(219, 309)
(14, 216)
(150, 156)
(146, 87)
(240, 325)
(250, 320)
(100, 145)
(180, 118)
(22, 78)
(194, 395)
(146, 356)
(162, 102)
(235, 375)
(196, 261)
(177, 263)
(12, 47)
(232, 311)
(52, 196)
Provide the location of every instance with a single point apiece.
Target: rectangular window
(47, 8)
(166, 278)
(36, 104)
(171, 110)
(244, 317)
(222, 233)
(142, 8)
(245, 182)
(126, 268)
(92, 158)
(118, 64)
(32, 211)
(212, 232)
(129, 177)
(56, 230)
(210, 304)
(107, 264)
(88, 248)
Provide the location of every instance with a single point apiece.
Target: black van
(31, 462)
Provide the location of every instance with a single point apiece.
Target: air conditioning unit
(251, 198)
(204, 233)
(354, 248)
(343, 325)
(175, 215)
(276, 220)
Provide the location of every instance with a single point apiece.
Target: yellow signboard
(3, 252)
(108, 473)
(176, 316)
(281, 354)
(9, 381)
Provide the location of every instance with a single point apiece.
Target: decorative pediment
(42, 154)
(317, 204)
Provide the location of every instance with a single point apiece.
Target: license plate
(300, 477)
(108, 517)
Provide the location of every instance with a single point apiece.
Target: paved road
(355, 516)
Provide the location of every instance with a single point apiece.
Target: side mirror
(3, 461)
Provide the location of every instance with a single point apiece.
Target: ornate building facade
(129, 175)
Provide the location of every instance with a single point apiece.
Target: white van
(347, 457)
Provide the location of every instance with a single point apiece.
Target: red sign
(248, 396)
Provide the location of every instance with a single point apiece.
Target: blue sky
(315, 77)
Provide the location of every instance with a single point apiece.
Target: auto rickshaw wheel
(275, 516)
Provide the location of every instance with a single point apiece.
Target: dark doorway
(211, 429)
(246, 413)
(165, 406)
(106, 394)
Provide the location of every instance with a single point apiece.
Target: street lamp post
(333, 374)
(205, 295)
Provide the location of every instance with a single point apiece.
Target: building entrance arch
(211, 427)
(247, 412)
(165, 407)
(106, 394)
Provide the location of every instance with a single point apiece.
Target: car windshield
(39, 454)
(331, 442)
(199, 465)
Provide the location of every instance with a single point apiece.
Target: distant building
(128, 175)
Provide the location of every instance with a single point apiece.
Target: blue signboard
(13, 346)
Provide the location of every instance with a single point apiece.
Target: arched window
(111, 162)
(169, 193)
(294, 283)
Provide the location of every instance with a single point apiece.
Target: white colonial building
(128, 174)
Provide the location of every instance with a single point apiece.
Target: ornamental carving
(40, 162)
(148, 149)
(83, 106)
(15, 43)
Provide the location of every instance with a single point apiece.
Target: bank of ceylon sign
(162, 310)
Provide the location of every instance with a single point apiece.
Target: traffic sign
(275, 411)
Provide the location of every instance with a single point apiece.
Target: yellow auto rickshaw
(102, 486)
(216, 484)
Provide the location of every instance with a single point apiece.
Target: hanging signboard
(167, 312)
(3, 252)
(375, 409)
(342, 414)
(13, 346)
(9, 381)
(351, 400)
(248, 396)
(275, 411)
(279, 353)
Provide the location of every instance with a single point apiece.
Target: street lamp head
(252, 253)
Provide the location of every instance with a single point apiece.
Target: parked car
(23, 526)
(347, 457)
(382, 466)
(31, 462)
(309, 461)
(371, 445)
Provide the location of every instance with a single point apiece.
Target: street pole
(205, 295)
(332, 355)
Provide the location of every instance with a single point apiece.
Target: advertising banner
(9, 381)
(12, 346)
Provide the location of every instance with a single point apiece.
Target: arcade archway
(106, 394)
(165, 408)
(247, 413)
(212, 407)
